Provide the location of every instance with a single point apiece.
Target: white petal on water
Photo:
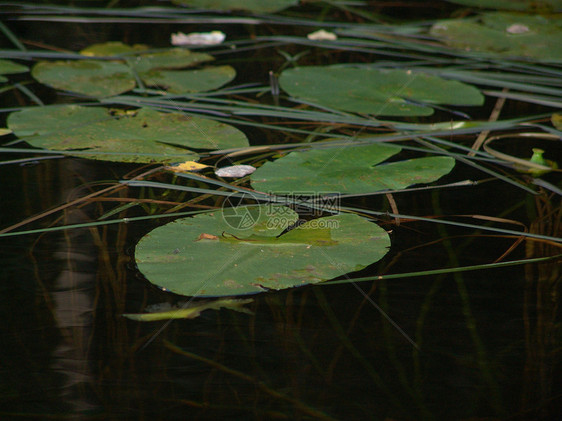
(322, 35)
(236, 171)
(198, 38)
(517, 28)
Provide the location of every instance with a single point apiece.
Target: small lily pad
(173, 58)
(228, 260)
(256, 6)
(112, 48)
(141, 136)
(143, 60)
(520, 5)
(94, 78)
(508, 34)
(376, 91)
(348, 170)
(182, 81)
(8, 67)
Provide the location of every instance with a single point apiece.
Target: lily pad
(520, 5)
(256, 6)
(376, 91)
(508, 34)
(112, 48)
(144, 135)
(206, 255)
(347, 170)
(99, 78)
(8, 67)
(173, 58)
(187, 166)
(182, 81)
(94, 78)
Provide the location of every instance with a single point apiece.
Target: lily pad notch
(350, 169)
(370, 90)
(164, 70)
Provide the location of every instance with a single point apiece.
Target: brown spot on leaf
(205, 236)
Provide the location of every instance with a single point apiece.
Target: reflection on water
(72, 296)
(542, 315)
(309, 353)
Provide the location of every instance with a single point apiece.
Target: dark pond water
(487, 342)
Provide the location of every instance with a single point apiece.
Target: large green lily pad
(256, 6)
(99, 78)
(376, 91)
(206, 255)
(509, 34)
(8, 67)
(144, 135)
(520, 5)
(348, 170)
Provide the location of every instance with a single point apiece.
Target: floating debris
(322, 35)
(236, 171)
(189, 310)
(517, 28)
(198, 38)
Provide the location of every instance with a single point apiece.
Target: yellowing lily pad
(187, 166)
(557, 120)
(376, 91)
(348, 170)
(144, 136)
(234, 261)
